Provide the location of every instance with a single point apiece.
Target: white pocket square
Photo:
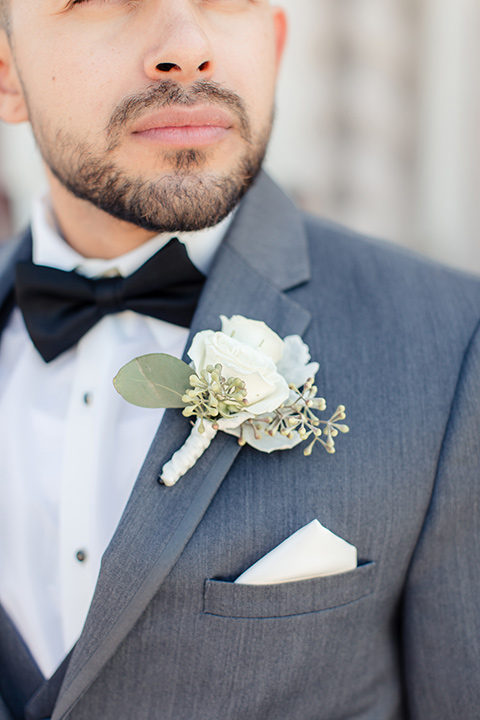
(313, 551)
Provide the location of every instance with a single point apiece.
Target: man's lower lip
(187, 136)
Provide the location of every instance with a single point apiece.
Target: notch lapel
(257, 261)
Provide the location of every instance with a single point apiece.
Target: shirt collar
(49, 248)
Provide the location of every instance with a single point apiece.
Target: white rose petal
(294, 365)
(229, 424)
(255, 334)
(197, 349)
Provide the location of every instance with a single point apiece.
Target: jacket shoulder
(380, 272)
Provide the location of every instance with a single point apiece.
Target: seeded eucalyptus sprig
(211, 396)
(298, 416)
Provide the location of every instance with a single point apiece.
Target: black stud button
(81, 556)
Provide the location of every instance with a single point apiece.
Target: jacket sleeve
(441, 611)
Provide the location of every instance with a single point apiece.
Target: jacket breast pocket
(227, 599)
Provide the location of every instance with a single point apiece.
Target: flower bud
(308, 450)
(195, 381)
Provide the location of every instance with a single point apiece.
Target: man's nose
(181, 49)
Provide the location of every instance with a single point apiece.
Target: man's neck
(91, 231)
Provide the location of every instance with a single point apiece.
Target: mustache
(167, 93)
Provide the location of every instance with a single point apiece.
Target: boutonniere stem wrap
(244, 380)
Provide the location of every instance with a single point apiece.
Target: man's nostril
(166, 67)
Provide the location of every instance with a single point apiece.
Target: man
(152, 117)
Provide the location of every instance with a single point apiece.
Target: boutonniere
(244, 380)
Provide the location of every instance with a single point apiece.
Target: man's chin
(190, 196)
(179, 202)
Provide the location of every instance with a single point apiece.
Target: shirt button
(81, 556)
(87, 398)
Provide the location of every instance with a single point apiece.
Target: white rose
(266, 388)
(255, 334)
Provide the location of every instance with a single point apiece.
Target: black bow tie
(60, 307)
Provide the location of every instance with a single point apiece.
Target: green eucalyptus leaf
(154, 381)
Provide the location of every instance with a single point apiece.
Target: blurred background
(378, 124)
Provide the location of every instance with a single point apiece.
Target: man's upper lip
(184, 117)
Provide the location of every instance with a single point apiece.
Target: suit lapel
(263, 255)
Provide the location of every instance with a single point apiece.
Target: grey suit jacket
(170, 636)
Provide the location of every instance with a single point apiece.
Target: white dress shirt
(71, 447)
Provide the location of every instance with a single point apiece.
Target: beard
(187, 197)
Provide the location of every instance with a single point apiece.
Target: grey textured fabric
(4, 714)
(20, 676)
(24, 692)
(41, 704)
(169, 635)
